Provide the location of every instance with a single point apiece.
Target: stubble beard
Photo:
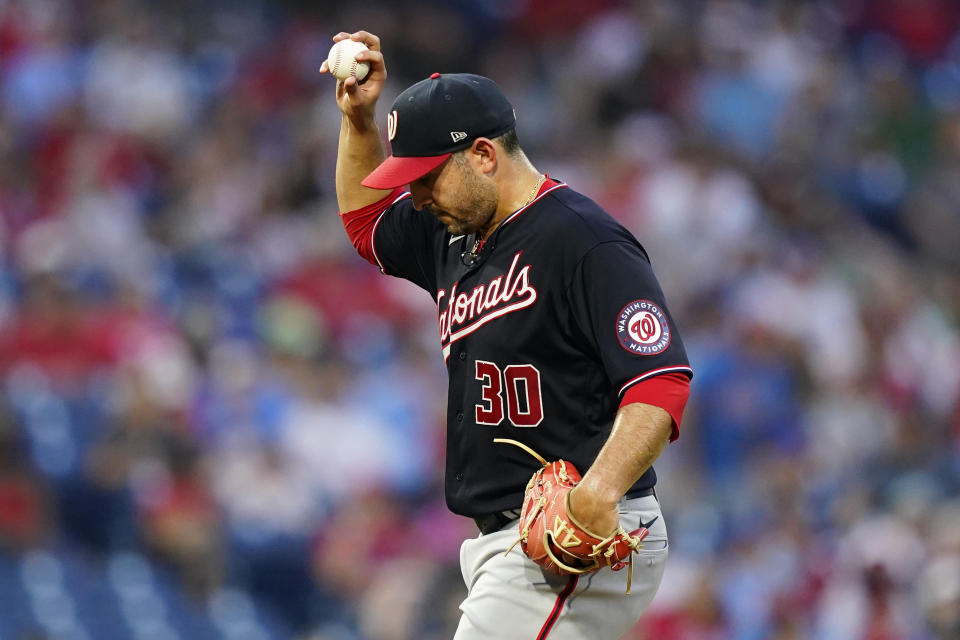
(477, 203)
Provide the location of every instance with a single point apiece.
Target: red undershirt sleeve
(361, 223)
(668, 391)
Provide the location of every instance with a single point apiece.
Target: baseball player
(556, 337)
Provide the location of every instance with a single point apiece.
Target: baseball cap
(435, 117)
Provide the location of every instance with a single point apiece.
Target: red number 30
(522, 384)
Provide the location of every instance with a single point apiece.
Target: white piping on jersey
(529, 204)
(373, 232)
(655, 372)
(373, 244)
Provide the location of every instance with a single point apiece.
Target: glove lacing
(605, 547)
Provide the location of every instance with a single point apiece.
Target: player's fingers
(374, 58)
(367, 38)
(324, 68)
(378, 71)
(343, 35)
(350, 84)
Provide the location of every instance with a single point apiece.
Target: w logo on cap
(392, 125)
(458, 136)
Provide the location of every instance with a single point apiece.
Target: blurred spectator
(179, 518)
(25, 513)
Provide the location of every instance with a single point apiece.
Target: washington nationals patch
(642, 328)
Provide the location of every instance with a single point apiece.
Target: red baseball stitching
(336, 64)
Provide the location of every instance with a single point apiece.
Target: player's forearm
(639, 434)
(359, 152)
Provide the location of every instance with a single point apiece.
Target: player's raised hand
(358, 99)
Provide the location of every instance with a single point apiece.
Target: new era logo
(458, 135)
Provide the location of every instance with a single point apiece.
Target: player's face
(461, 199)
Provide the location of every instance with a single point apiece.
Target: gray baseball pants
(511, 598)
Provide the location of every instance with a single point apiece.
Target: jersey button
(463, 355)
(459, 416)
(459, 477)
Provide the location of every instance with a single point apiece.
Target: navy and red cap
(436, 117)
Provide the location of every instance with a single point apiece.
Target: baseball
(341, 63)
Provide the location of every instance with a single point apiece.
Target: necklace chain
(535, 190)
(533, 194)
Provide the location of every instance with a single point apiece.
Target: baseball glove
(552, 537)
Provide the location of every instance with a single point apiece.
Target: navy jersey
(542, 333)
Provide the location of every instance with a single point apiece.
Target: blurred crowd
(196, 368)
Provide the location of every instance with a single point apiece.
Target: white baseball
(341, 63)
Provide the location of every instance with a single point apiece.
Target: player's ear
(483, 155)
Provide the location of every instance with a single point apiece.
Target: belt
(496, 521)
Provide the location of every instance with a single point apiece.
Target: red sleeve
(361, 223)
(668, 391)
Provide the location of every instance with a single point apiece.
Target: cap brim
(396, 172)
